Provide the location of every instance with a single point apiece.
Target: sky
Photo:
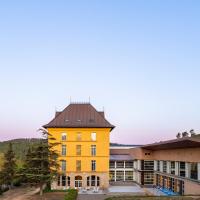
(137, 60)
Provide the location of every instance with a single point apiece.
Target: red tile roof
(79, 115)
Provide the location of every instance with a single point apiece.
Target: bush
(71, 194)
(17, 182)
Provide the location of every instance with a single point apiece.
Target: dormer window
(64, 136)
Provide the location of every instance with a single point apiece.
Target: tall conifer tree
(9, 167)
(41, 165)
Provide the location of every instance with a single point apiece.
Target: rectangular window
(112, 164)
(128, 164)
(165, 166)
(148, 178)
(119, 175)
(78, 150)
(93, 136)
(63, 165)
(112, 175)
(172, 167)
(78, 137)
(64, 136)
(63, 180)
(129, 175)
(78, 165)
(158, 165)
(64, 151)
(182, 169)
(93, 165)
(93, 150)
(120, 164)
(193, 171)
(148, 165)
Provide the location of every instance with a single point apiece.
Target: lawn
(151, 198)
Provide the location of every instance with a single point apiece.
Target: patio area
(127, 189)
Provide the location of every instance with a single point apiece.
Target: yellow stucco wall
(102, 147)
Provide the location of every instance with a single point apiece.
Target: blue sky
(140, 60)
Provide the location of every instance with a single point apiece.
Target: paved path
(19, 194)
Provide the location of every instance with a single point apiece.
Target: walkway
(19, 194)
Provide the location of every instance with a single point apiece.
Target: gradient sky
(140, 60)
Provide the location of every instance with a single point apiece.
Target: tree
(41, 165)
(9, 167)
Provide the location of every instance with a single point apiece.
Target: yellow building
(84, 137)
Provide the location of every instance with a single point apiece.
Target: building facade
(87, 159)
(172, 165)
(84, 137)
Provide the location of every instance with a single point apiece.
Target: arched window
(78, 181)
(93, 180)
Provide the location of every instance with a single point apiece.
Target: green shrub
(71, 194)
(17, 182)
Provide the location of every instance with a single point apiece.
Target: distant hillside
(20, 147)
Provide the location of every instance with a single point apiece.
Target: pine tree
(9, 167)
(41, 165)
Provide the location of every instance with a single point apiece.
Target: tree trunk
(41, 189)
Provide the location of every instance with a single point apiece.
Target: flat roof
(186, 142)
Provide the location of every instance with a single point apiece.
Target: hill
(20, 147)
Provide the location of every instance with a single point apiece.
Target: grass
(70, 194)
(150, 198)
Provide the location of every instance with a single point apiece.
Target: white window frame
(64, 150)
(63, 165)
(93, 150)
(64, 135)
(93, 165)
(93, 136)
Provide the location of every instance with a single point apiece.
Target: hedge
(71, 194)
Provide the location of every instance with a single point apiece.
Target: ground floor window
(63, 181)
(148, 178)
(78, 181)
(128, 175)
(112, 175)
(93, 181)
(119, 175)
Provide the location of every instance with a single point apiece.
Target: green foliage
(9, 167)
(20, 147)
(71, 194)
(41, 165)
